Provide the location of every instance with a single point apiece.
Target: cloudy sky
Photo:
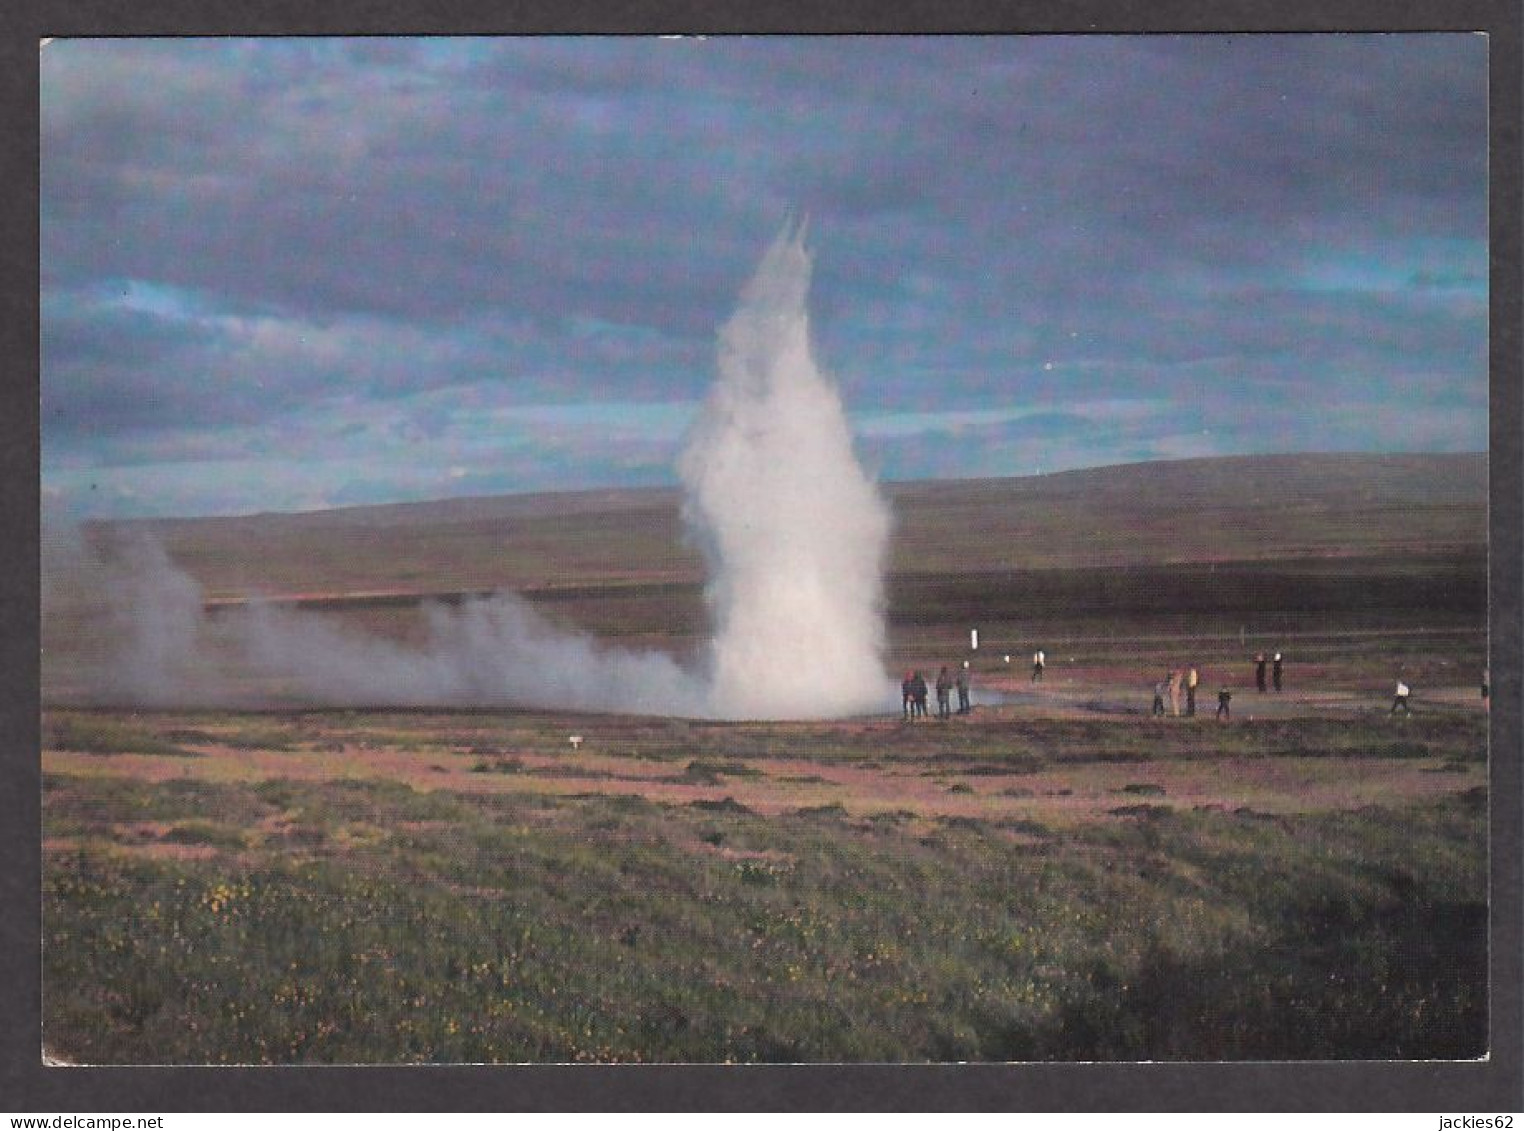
(291, 274)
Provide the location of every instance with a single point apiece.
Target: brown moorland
(1055, 876)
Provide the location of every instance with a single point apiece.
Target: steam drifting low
(793, 531)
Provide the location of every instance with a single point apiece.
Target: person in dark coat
(1259, 672)
(964, 706)
(1159, 689)
(1276, 671)
(919, 689)
(1224, 697)
(907, 695)
(944, 694)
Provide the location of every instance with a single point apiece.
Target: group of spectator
(1174, 682)
(914, 689)
(1259, 672)
(1171, 684)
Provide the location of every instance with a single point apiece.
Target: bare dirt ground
(1201, 763)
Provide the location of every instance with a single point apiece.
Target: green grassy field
(355, 887)
(1053, 877)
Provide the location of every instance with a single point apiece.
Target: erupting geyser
(794, 532)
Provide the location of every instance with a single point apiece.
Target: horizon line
(653, 488)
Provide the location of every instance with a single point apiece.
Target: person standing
(1275, 671)
(1159, 689)
(1224, 697)
(1401, 699)
(1174, 693)
(1039, 661)
(1259, 672)
(918, 690)
(944, 694)
(964, 706)
(1190, 692)
(907, 695)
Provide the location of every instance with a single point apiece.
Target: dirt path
(1084, 791)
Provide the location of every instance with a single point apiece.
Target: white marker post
(973, 640)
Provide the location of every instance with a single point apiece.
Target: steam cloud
(794, 535)
(794, 532)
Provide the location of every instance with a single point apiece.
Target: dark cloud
(995, 218)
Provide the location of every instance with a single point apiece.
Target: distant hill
(1240, 508)
(443, 512)
(1335, 479)
(1186, 511)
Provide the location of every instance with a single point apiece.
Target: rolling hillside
(1322, 544)
(1202, 512)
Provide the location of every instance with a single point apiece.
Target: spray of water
(793, 531)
